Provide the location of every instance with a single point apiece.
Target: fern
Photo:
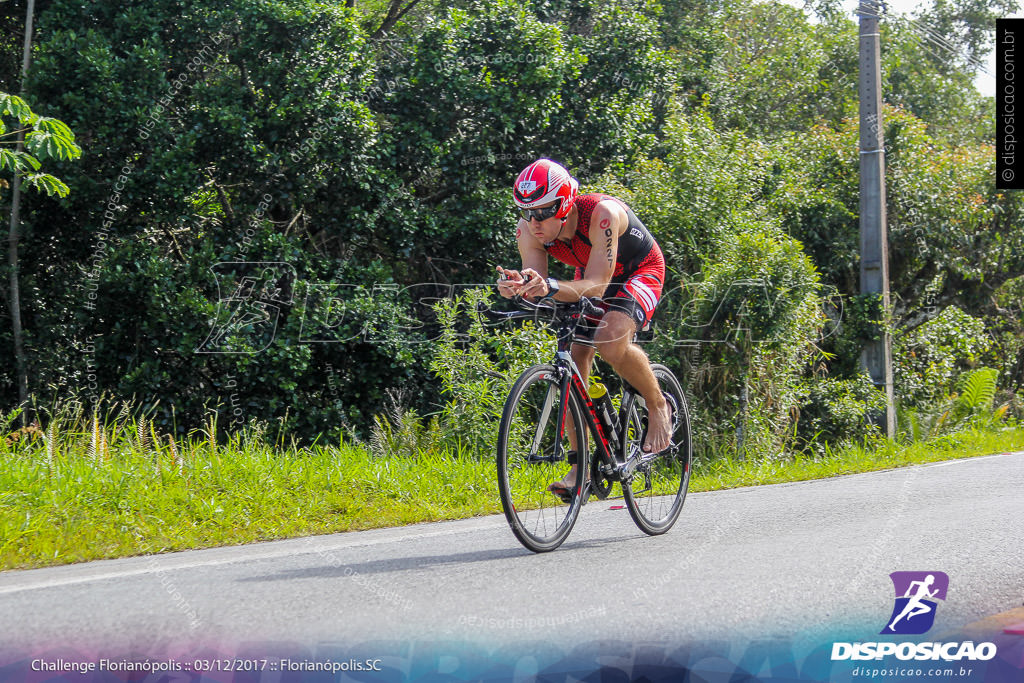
(970, 407)
(974, 404)
(979, 391)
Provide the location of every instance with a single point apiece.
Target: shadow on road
(337, 566)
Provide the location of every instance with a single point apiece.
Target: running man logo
(916, 594)
(252, 298)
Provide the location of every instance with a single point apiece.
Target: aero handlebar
(557, 309)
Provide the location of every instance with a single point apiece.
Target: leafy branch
(47, 138)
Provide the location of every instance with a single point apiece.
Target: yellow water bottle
(602, 403)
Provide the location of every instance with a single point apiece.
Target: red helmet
(543, 182)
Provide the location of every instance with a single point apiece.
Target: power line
(925, 32)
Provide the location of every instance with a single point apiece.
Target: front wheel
(656, 493)
(532, 450)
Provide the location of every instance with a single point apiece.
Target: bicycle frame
(569, 374)
(607, 443)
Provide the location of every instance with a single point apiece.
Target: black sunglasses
(540, 214)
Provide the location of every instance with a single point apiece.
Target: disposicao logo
(916, 599)
(913, 613)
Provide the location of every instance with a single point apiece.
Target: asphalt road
(786, 561)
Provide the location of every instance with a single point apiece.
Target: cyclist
(615, 257)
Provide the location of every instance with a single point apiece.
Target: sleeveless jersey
(635, 245)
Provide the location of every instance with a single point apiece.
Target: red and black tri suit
(639, 274)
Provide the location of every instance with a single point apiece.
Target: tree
(954, 239)
(930, 60)
(960, 31)
(45, 138)
(758, 311)
(279, 132)
(742, 304)
(778, 72)
(218, 108)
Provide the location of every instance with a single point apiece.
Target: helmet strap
(562, 227)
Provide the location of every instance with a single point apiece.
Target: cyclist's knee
(614, 338)
(613, 348)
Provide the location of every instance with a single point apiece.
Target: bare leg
(614, 340)
(911, 610)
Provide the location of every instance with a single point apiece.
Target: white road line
(153, 564)
(959, 461)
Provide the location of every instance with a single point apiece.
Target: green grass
(728, 473)
(100, 491)
(80, 501)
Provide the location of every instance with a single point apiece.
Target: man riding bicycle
(615, 257)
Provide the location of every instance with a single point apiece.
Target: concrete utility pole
(874, 250)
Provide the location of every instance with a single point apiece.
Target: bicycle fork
(556, 394)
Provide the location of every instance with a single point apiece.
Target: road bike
(533, 440)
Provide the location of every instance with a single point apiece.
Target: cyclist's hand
(534, 286)
(508, 282)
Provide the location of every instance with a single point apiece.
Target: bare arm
(608, 222)
(534, 258)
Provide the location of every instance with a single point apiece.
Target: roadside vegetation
(81, 486)
(243, 298)
(73, 492)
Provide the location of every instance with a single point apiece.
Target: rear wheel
(532, 454)
(658, 488)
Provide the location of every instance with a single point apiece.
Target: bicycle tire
(656, 495)
(526, 439)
